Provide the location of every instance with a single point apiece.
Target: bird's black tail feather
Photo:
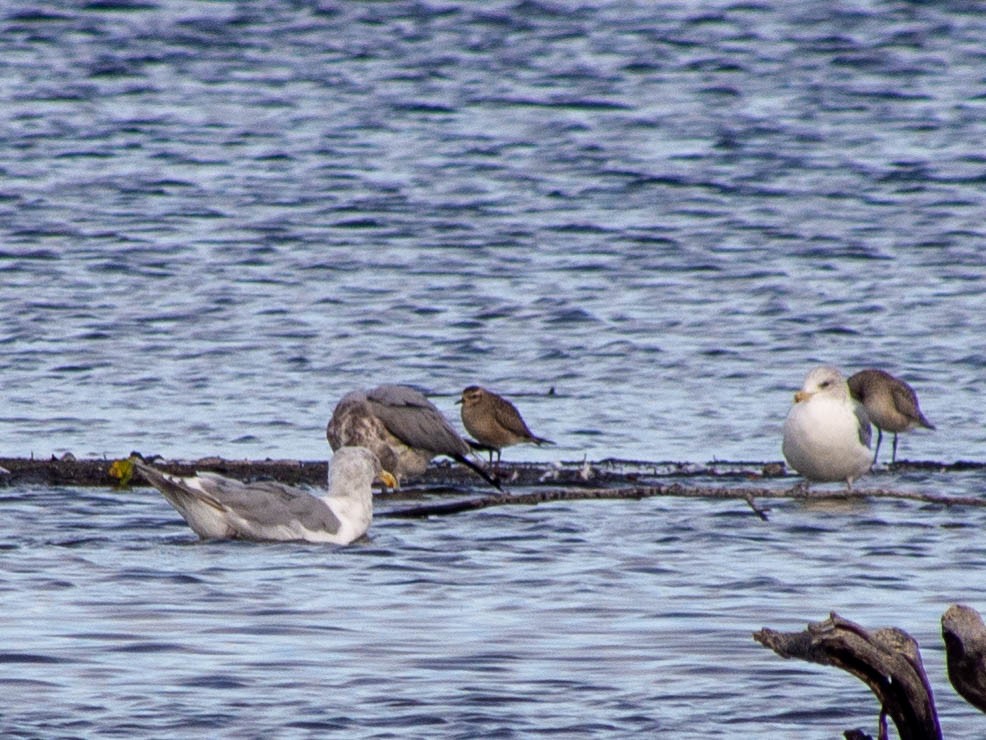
(492, 480)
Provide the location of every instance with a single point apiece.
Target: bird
(891, 404)
(827, 433)
(402, 427)
(494, 421)
(217, 507)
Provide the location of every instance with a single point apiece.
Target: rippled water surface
(595, 618)
(217, 218)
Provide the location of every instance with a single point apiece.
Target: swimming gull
(402, 427)
(891, 404)
(217, 507)
(494, 421)
(827, 433)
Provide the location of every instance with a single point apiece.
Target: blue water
(217, 218)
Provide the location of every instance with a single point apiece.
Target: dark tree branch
(748, 494)
(887, 660)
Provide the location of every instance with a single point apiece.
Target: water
(614, 618)
(216, 219)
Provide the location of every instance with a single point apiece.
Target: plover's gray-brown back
(891, 404)
(494, 421)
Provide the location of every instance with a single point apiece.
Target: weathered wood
(67, 470)
(964, 633)
(607, 479)
(747, 494)
(887, 660)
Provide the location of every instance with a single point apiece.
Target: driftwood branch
(887, 660)
(747, 494)
(965, 648)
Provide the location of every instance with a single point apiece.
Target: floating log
(607, 479)
(965, 649)
(887, 660)
(739, 493)
(68, 470)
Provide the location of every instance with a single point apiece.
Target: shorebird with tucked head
(827, 433)
(891, 404)
(217, 507)
(494, 421)
(402, 427)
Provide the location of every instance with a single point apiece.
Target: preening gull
(217, 507)
(494, 421)
(402, 427)
(827, 433)
(891, 404)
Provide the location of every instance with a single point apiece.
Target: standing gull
(402, 427)
(217, 507)
(494, 421)
(827, 433)
(891, 404)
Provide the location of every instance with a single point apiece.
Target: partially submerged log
(887, 660)
(741, 493)
(441, 474)
(964, 633)
(608, 479)
(68, 471)
(457, 506)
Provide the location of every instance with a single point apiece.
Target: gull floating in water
(891, 404)
(402, 427)
(217, 507)
(827, 433)
(494, 421)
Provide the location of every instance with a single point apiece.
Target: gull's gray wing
(863, 423)
(414, 420)
(260, 510)
(264, 506)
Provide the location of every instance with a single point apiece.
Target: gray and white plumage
(827, 433)
(402, 427)
(217, 507)
(891, 404)
(494, 421)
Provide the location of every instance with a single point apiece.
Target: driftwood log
(606, 479)
(965, 650)
(887, 660)
(441, 476)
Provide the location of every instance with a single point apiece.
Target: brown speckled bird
(402, 428)
(891, 404)
(494, 421)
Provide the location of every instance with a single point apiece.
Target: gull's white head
(354, 469)
(824, 379)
